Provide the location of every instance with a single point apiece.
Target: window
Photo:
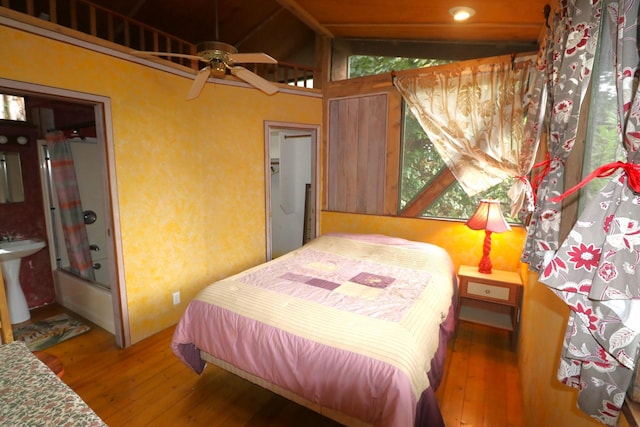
(602, 144)
(416, 181)
(364, 65)
(421, 165)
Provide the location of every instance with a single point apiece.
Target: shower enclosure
(89, 296)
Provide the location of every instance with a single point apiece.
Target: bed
(32, 395)
(352, 326)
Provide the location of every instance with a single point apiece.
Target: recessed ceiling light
(461, 13)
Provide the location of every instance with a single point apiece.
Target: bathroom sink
(11, 254)
(19, 249)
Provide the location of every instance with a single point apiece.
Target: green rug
(48, 332)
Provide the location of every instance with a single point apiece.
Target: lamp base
(485, 263)
(485, 266)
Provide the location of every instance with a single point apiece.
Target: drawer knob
(487, 291)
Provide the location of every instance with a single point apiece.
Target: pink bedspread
(356, 323)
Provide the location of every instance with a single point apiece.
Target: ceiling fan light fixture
(462, 13)
(218, 69)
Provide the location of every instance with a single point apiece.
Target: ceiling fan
(219, 58)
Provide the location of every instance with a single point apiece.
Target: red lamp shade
(488, 217)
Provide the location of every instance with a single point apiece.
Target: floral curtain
(74, 229)
(595, 269)
(567, 59)
(473, 115)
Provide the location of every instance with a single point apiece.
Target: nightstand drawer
(488, 291)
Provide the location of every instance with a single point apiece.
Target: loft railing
(97, 21)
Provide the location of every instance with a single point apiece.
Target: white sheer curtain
(473, 113)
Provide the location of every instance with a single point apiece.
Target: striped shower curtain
(66, 185)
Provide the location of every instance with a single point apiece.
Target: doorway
(97, 151)
(90, 297)
(291, 180)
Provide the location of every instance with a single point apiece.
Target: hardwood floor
(481, 387)
(146, 385)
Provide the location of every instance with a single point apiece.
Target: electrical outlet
(176, 298)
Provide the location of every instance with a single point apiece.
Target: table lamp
(488, 217)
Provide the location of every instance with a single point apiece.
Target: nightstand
(490, 299)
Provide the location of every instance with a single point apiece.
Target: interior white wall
(288, 198)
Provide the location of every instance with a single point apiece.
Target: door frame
(314, 130)
(104, 133)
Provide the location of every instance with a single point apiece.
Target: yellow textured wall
(190, 174)
(547, 402)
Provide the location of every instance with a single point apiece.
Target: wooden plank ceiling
(286, 29)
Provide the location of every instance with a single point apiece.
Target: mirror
(11, 189)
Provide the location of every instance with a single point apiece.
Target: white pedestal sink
(11, 253)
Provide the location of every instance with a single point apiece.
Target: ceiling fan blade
(254, 58)
(144, 53)
(199, 82)
(254, 80)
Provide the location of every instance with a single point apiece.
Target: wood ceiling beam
(300, 13)
(255, 30)
(468, 27)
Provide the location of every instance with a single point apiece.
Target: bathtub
(89, 299)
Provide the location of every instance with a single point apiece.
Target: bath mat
(51, 331)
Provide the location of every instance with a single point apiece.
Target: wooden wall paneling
(379, 153)
(365, 148)
(322, 61)
(339, 167)
(357, 158)
(393, 151)
(359, 148)
(331, 134)
(351, 149)
(375, 149)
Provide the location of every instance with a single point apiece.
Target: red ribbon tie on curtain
(631, 169)
(537, 180)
